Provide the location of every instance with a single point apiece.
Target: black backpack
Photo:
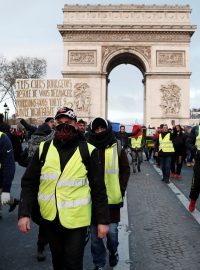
(33, 144)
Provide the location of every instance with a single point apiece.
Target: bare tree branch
(20, 68)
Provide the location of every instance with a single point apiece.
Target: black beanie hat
(48, 119)
(97, 122)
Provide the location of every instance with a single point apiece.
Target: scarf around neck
(101, 140)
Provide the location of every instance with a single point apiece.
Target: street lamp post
(6, 111)
(7, 114)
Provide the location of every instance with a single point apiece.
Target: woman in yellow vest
(165, 150)
(65, 188)
(116, 175)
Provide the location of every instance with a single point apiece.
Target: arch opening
(125, 94)
(126, 58)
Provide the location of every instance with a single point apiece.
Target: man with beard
(82, 126)
(64, 188)
(123, 136)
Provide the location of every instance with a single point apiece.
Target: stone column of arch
(156, 39)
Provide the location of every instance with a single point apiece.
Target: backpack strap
(119, 148)
(44, 152)
(83, 147)
(85, 154)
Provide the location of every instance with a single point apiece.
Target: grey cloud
(126, 103)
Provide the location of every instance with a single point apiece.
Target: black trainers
(113, 259)
(41, 256)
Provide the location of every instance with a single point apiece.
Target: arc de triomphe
(156, 39)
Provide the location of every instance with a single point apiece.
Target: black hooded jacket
(101, 142)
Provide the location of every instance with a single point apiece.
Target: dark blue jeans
(98, 248)
(165, 164)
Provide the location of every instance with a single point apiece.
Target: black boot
(41, 255)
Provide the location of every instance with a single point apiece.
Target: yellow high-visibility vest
(67, 193)
(165, 144)
(111, 174)
(150, 143)
(197, 142)
(136, 142)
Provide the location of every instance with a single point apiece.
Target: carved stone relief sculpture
(170, 59)
(170, 99)
(82, 57)
(82, 98)
(144, 50)
(132, 36)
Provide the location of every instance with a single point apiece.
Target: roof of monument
(122, 7)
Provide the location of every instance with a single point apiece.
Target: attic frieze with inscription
(134, 14)
(116, 36)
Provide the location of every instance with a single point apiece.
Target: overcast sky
(29, 28)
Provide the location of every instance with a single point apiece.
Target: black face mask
(65, 132)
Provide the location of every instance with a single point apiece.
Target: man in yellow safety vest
(66, 187)
(164, 149)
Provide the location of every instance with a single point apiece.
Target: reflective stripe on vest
(74, 204)
(136, 142)
(67, 192)
(197, 142)
(165, 144)
(111, 174)
(73, 183)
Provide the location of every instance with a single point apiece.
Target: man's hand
(24, 224)
(102, 230)
(5, 197)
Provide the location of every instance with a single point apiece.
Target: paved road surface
(162, 234)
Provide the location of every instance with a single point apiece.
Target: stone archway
(156, 39)
(137, 56)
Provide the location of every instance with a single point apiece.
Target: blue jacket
(7, 163)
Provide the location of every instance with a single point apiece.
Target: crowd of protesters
(107, 156)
